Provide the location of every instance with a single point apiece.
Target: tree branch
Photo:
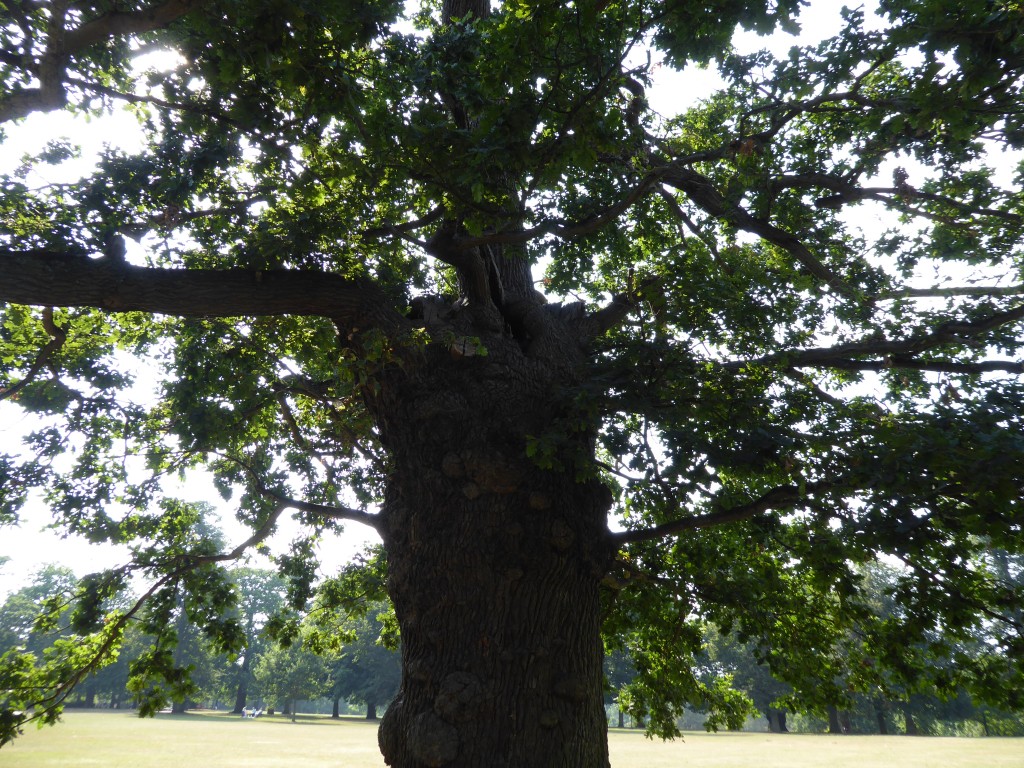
(782, 496)
(898, 353)
(703, 193)
(282, 502)
(914, 364)
(402, 230)
(48, 278)
(58, 336)
(62, 43)
(131, 23)
(945, 293)
(566, 230)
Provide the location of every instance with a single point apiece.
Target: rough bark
(494, 565)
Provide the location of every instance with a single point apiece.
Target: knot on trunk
(572, 689)
(491, 472)
(432, 741)
(459, 697)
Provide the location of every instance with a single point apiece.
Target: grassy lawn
(121, 740)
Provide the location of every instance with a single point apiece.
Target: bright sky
(32, 544)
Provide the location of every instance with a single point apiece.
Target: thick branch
(896, 352)
(329, 512)
(703, 193)
(946, 293)
(118, 23)
(783, 496)
(63, 43)
(914, 364)
(61, 280)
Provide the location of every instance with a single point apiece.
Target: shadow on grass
(217, 716)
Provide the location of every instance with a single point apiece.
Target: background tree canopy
(441, 270)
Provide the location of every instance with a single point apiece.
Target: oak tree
(442, 271)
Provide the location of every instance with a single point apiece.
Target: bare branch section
(980, 291)
(282, 502)
(118, 23)
(900, 354)
(61, 280)
(784, 496)
(62, 43)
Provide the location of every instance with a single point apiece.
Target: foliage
(365, 670)
(291, 674)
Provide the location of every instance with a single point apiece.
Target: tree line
(343, 649)
(358, 669)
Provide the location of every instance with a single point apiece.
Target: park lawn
(122, 740)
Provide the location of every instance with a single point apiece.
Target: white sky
(33, 544)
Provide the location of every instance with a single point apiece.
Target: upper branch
(897, 353)
(60, 280)
(118, 23)
(782, 496)
(702, 192)
(62, 43)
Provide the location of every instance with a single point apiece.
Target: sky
(33, 544)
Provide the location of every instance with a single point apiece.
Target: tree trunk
(845, 721)
(371, 710)
(336, 707)
(242, 692)
(910, 726)
(777, 721)
(883, 725)
(494, 565)
(833, 721)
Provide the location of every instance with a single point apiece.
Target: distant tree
(750, 674)
(618, 673)
(261, 595)
(50, 590)
(366, 670)
(292, 674)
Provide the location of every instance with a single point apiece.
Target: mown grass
(121, 740)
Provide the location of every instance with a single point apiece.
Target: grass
(122, 740)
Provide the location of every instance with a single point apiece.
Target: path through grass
(122, 740)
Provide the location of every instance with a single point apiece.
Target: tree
(341, 219)
(52, 584)
(261, 595)
(365, 670)
(290, 675)
(752, 677)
